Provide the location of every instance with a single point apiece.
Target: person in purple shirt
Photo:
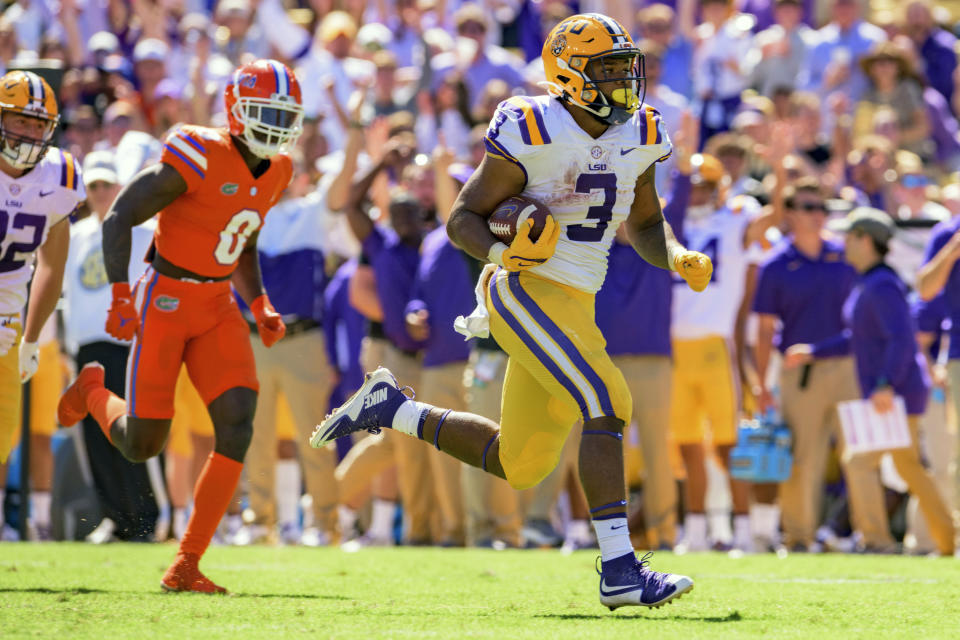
(442, 290)
(802, 285)
(636, 294)
(344, 329)
(936, 47)
(880, 331)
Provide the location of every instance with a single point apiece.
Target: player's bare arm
(246, 277)
(649, 233)
(494, 181)
(652, 237)
(47, 279)
(150, 191)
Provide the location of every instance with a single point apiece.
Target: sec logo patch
(166, 303)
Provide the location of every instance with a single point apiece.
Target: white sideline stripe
(188, 150)
(769, 580)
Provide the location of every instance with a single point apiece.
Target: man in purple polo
(879, 330)
(802, 285)
(442, 290)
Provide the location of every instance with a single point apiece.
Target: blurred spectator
(149, 68)
(661, 97)
(81, 130)
(477, 61)
(937, 47)
(242, 36)
(9, 46)
(833, 62)
(780, 52)
(658, 23)
(385, 92)
(892, 84)
(869, 165)
(168, 106)
(328, 75)
(119, 118)
(32, 20)
(718, 78)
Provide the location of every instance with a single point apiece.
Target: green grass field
(74, 591)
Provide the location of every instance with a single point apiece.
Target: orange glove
(269, 323)
(122, 319)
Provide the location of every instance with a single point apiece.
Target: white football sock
(381, 520)
(407, 418)
(578, 530)
(695, 531)
(613, 536)
(765, 522)
(348, 521)
(179, 522)
(40, 508)
(742, 537)
(287, 489)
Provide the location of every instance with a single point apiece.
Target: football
(513, 212)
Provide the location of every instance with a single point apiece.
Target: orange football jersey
(205, 229)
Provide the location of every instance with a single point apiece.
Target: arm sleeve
(765, 298)
(373, 244)
(187, 153)
(516, 132)
(892, 317)
(837, 345)
(653, 132)
(938, 238)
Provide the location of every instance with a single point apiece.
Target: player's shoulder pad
(59, 167)
(522, 119)
(650, 131)
(193, 146)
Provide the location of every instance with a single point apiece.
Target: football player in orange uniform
(211, 190)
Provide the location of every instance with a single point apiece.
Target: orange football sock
(105, 406)
(215, 486)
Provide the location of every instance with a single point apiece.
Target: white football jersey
(587, 183)
(29, 206)
(713, 311)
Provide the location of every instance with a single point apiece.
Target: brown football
(513, 212)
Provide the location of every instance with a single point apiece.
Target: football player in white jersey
(40, 187)
(588, 151)
(705, 376)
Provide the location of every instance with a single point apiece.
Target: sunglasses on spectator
(658, 26)
(808, 207)
(472, 27)
(911, 181)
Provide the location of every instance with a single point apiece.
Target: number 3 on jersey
(234, 236)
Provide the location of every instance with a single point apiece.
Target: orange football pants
(197, 324)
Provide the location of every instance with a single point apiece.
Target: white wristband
(495, 255)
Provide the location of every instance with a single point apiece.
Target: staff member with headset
(881, 334)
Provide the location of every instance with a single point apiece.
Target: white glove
(8, 338)
(29, 360)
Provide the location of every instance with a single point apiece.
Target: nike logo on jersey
(375, 398)
(44, 194)
(618, 591)
(624, 152)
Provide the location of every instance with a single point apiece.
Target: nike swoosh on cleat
(624, 152)
(616, 592)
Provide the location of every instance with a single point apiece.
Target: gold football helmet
(588, 53)
(26, 94)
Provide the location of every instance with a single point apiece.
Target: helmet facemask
(23, 151)
(270, 125)
(621, 68)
